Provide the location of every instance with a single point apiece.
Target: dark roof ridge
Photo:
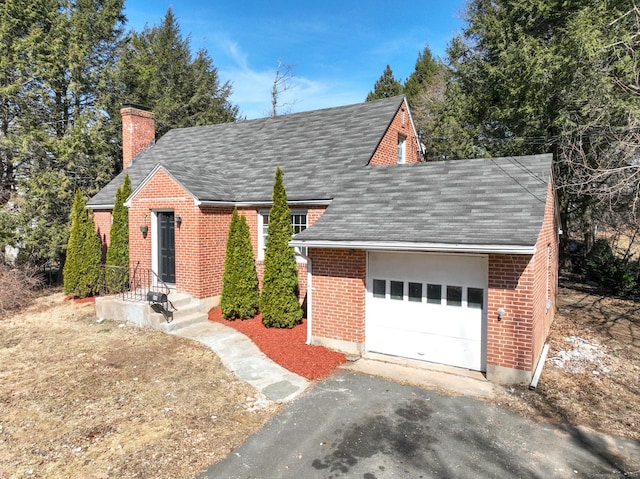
(397, 98)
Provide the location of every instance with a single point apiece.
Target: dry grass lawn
(99, 400)
(592, 374)
(90, 400)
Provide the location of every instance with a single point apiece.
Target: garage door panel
(427, 347)
(434, 321)
(429, 329)
(459, 269)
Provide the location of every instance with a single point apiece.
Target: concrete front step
(188, 311)
(183, 321)
(179, 300)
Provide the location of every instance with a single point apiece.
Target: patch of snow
(581, 356)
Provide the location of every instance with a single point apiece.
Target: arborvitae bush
(89, 279)
(240, 296)
(279, 299)
(70, 271)
(118, 252)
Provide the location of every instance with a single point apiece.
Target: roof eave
(249, 204)
(99, 207)
(406, 246)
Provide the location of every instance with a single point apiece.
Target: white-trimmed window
(298, 222)
(402, 140)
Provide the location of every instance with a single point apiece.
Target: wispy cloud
(252, 88)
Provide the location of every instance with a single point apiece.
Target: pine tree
(553, 77)
(156, 69)
(55, 64)
(426, 71)
(386, 86)
(240, 296)
(279, 299)
(71, 267)
(118, 252)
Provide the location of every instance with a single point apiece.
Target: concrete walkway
(241, 356)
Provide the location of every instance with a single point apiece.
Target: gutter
(248, 204)
(99, 207)
(397, 245)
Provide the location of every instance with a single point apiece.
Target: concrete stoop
(188, 311)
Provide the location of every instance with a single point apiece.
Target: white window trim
(402, 149)
(154, 228)
(261, 237)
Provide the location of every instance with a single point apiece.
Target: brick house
(453, 262)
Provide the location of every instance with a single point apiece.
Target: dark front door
(167, 247)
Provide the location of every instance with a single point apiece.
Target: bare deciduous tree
(282, 82)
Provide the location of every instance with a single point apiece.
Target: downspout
(536, 376)
(309, 293)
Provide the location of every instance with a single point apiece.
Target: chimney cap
(136, 106)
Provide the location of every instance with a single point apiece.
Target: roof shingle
(236, 162)
(493, 201)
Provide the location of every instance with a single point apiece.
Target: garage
(430, 307)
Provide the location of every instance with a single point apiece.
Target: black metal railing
(134, 284)
(142, 282)
(138, 285)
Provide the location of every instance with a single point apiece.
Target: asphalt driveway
(358, 426)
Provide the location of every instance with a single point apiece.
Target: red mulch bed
(89, 299)
(286, 346)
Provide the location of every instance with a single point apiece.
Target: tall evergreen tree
(157, 70)
(279, 299)
(71, 268)
(561, 77)
(240, 296)
(58, 59)
(424, 75)
(386, 86)
(118, 251)
(81, 271)
(21, 55)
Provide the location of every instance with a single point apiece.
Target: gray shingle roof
(324, 153)
(494, 201)
(236, 162)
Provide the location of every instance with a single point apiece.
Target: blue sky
(338, 48)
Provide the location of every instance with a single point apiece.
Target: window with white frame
(402, 140)
(298, 223)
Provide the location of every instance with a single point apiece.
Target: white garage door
(430, 307)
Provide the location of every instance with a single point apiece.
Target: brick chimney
(138, 132)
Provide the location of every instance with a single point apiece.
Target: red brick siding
(387, 151)
(339, 292)
(201, 240)
(138, 132)
(103, 220)
(518, 284)
(546, 267)
(209, 245)
(511, 283)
